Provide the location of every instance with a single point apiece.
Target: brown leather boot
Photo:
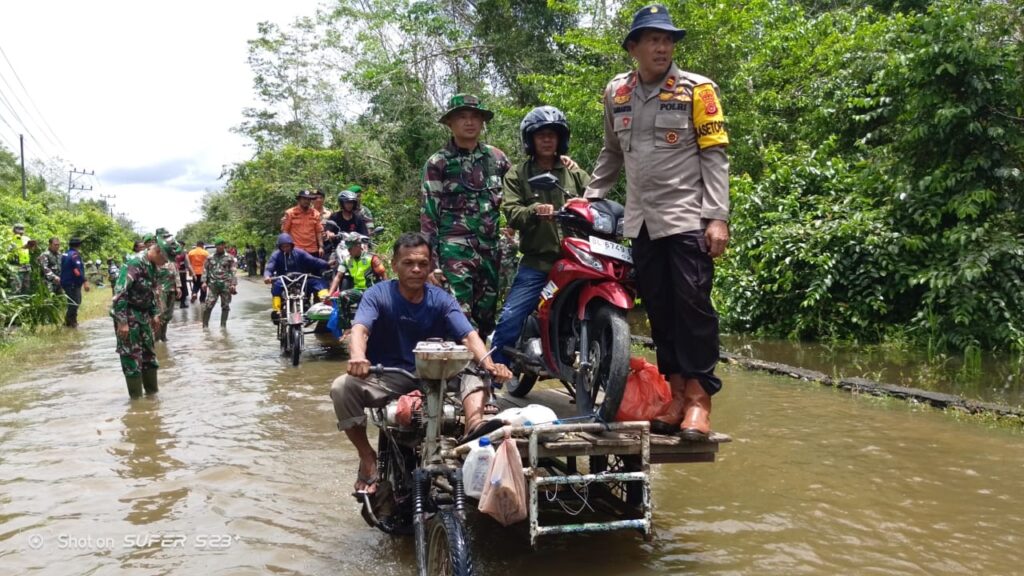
(697, 412)
(671, 416)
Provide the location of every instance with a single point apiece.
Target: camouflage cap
(465, 102)
(168, 246)
(19, 226)
(148, 238)
(162, 232)
(219, 240)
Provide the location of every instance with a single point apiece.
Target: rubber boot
(149, 381)
(671, 416)
(134, 386)
(206, 317)
(224, 318)
(697, 416)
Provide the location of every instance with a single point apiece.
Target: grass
(24, 348)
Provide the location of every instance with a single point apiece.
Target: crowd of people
(662, 125)
(665, 127)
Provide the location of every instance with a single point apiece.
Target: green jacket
(539, 240)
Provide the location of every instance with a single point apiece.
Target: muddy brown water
(237, 468)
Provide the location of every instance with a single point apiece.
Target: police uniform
(670, 137)
(459, 214)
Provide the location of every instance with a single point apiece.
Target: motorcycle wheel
(282, 336)
(521, 385)
(447, 546)
(609, 355)
(295, 335)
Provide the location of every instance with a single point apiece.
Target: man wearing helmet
(666, 127)
(303, 224)
(545, 133)
(364, 268)
(459, 213)
(347, 218)
(136, 314)
(289, 258)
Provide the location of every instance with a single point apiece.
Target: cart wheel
(447, 546)
(295, 335)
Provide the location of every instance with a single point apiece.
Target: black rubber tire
(521, 385)
(447, 546)
(282, 336)
(295, 335)
(609, 351)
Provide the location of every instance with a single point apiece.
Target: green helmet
(466, 102)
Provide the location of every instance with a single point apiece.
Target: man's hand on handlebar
(499, 372)
(267, 280)
(359, 368)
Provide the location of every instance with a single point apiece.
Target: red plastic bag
(504, 495)
(647, 392)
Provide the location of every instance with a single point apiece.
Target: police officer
(459, 213)
(219, 278)
(49, 262)
(73, 280)
(136, 314)
(667, 128)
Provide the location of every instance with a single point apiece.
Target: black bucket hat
(655, 17)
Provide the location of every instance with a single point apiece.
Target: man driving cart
(392, 317)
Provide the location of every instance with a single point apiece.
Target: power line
(24, 109)
(32, 102)
(25, 128)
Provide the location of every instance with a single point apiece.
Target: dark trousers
(674, 277)
(75, 295)
(197, 287)
(184, 287)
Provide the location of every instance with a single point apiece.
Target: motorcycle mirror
(377, 230)
(545, 181)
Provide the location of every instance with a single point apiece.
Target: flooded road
(237, 468)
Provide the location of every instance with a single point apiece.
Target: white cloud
(143, 93)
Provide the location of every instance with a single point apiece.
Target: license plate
(610, 249)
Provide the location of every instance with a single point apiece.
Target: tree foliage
(876, 147)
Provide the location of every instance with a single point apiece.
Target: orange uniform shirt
(197, 260)
(306, 228)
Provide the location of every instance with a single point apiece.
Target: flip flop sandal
(491, 408)
(483, 428)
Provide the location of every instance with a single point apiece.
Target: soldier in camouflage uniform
(459, 214)
(49, 262)
(136, 314)
(219, 279)
(169, 289)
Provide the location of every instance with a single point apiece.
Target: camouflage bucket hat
(466, 102)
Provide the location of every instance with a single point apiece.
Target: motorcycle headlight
(603, 223)
(587, 259)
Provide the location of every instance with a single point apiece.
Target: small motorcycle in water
(579, 332)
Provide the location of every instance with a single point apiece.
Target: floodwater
(237, 468)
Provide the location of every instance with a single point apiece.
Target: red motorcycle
(579, 332)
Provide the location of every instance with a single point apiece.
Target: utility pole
(24, 190)
(110, 206)
(72, 179)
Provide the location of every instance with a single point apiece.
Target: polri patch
(671, 137)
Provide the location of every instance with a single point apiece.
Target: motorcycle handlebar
(380, 370)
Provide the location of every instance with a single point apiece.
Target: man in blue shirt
(392, 317)
(72, 280)
(287, 258)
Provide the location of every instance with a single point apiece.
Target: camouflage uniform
(50, 265)
(168, 284)
(508, 247)
(459, 214)
(219, 275)
(135, 304)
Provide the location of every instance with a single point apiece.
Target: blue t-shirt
(396, 325)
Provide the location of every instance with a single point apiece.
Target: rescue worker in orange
(302, 222)
(666, 127)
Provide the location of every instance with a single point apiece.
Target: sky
(143, 93)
